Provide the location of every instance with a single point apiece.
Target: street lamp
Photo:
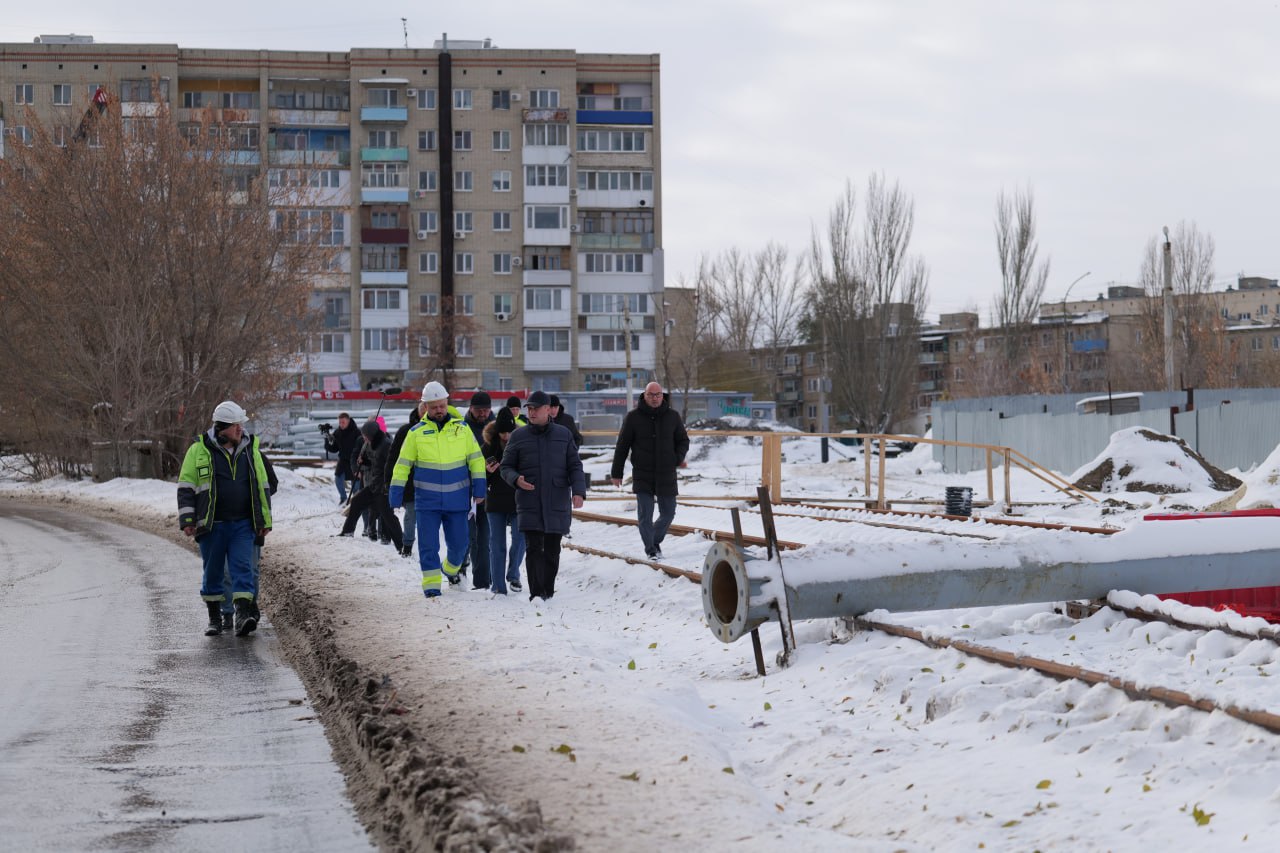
(1065, 388)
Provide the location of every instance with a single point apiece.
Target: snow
(864, 741)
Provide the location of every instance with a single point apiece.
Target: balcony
(547, 360)
(398, 278)
(309, 118)
(340, 322)
(630, 117)
(547, 278)
(632, 242)
(384, 155)
(384, 114)
(615, 323)
(384, 195)
(615, 199)
(554, 116)
(308, 157)
(385, 236)
(789, 397)
(1099, 345)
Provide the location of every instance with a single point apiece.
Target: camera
(325, 428)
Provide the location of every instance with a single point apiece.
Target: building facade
(496, 213)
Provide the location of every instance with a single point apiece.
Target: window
(464, 304)
(24, 93)
(376, 257)
(546, 340)
(384, 138)
(546, 134)
(427, 140)
(538, 216)
(142, 91)
(502, 220)
(633, 221)
(462, 140)
(424, 345)
(464, 346)
(502, 346)
(463, 220)
(502, 263)
(610, 180)
(501, 99)
(381, 300)
(770, 363)
(1255, 343)
(544, 99)
(62, 94)
(810, 359)
(333, 342)
(386, 340)
(611, 140)
(543, 299)
(611, 262)
(427, 180)
(812, 384)
(426, 99)
(429, 221)
(61, 133)
(545, 258)
(502, 181)
(1262, 310)
(464, 263)
(502, 140)
(463, 181)
(383, 98)
(502, 303)
(429, 304)
(300, 225)
(1275, 342)
(384, 219)
(462, 99)
(614, 343)
(546, 176)
(384, 175)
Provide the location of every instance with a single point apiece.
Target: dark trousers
(478, 548)
(541, 562)
(376, 502)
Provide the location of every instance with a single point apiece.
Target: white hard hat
(434, 391)
(229, 412)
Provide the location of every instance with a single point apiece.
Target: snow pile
(1140, 459)
(1261, 489)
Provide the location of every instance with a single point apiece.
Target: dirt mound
(1143, 460)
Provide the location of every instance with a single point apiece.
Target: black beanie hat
(513, 401)
(506, 421)
(481, 398)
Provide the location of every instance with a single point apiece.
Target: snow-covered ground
(615, 708)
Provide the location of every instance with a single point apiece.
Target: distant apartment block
(518, 189)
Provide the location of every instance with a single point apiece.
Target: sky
(636, 729)
(1120, 118)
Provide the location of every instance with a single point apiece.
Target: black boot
(246, 620)
(215, 618)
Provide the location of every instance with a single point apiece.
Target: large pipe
(740, 593)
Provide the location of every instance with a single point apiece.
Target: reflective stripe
(203, 487)
(187, 509)
(450, 569)
(431, 579)
(440, 487)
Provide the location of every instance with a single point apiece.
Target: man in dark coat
(372, 495)
(479, 415)
(344, 441)
(541, 462)
(653, 434)
(560, 416)
(410, 519)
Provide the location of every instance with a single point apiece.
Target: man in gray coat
(541, 462)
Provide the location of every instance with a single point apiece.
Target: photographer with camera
(344, 441)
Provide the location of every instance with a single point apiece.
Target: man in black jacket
(378, 447)
(410, 516)
(343, 441)
(654, 436)
(479, 415)
(560, 416)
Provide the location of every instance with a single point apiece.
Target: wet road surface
(122, 727)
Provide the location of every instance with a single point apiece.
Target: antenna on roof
(404, 24)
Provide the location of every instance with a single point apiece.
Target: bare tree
(731, 299)
(141, 285)
(1022, 283)
(1202, 355)
(869, 295)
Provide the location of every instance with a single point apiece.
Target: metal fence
(1235, 428)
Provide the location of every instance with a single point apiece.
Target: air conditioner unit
(502, 316)
(419, 193)
(412, 93)
(517, 97)
(459, 235)
(573, 193)
(574, 228)
(515, 262)
(422, 235)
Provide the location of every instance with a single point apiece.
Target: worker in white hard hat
(223, 501)
(442, 457)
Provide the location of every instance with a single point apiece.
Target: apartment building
(496, 213)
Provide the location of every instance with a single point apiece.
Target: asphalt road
(122, 727)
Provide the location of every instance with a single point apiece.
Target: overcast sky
(1120, 116)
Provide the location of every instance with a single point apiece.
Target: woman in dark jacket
(500, 506)
(542, 463)
(372, 495)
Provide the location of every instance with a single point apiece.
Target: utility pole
(1168, 312)
(626, 330)
(1065, 387)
